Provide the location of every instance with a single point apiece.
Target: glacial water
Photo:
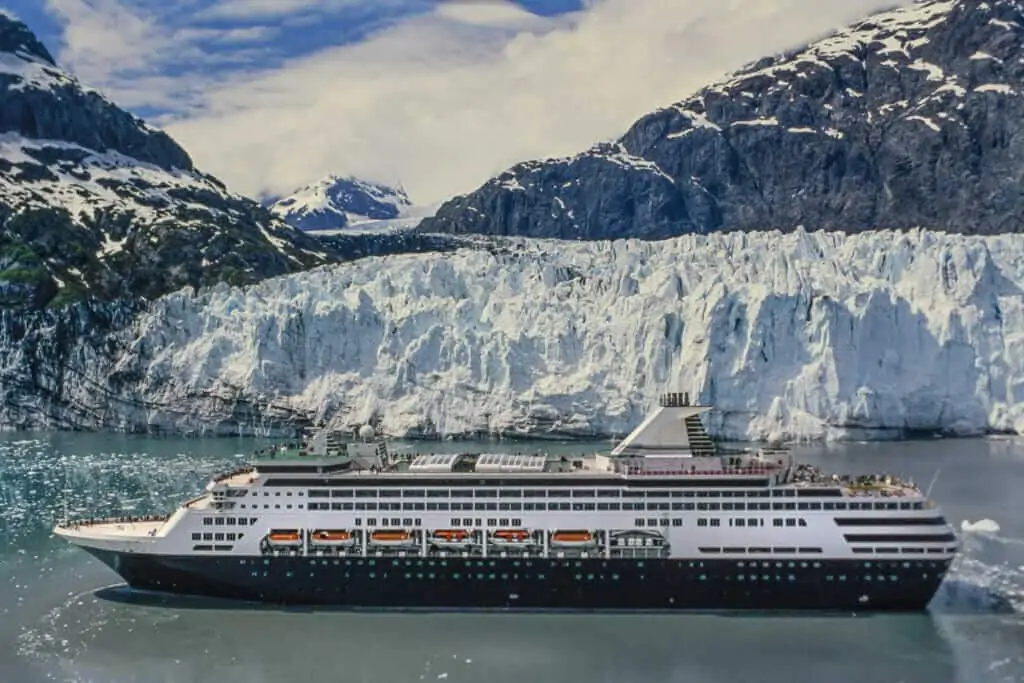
(63, 616)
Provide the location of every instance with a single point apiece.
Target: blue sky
(272, 94)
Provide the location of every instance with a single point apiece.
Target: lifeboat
(451, 537)
(392, 538)
(572, 539)
(332, 537)
(290, 538)
(510, 536)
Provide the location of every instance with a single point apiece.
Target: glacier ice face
(819, 335)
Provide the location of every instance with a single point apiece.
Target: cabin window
(372, 521)
(197, 537)
(702, 522)
(413, 493)
(342, 493)
(739, 522)
(485, 493)
(583, 493)
(633, 494)
(716, 522)
(605, 493)
(638, 522)
(390, 493)
(677, 522)
(557, 493)
(319, 493)
(207, 537)
(437, 493)
(510, 493)
(517, 522)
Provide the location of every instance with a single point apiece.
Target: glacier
(794, 335)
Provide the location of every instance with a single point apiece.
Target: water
(64, 618)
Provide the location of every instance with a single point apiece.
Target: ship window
(583, 493)
(517, 522)
(739, 522)
(753, 521)
(652, 522)
(702, 522)
(606, 493)
(677, 522)
(412, 493)
(815, 506)
(557, 493)
(785, 551)
(341, 493)
(390, 493)
(417, 521)
(207, 537)
(801, 522)
(219, 521)
(319, 493)
(810, 550)
(478, 522)
(197, 537)
(202, 547)
(790, 521)
(437, 493)
(710, 550)
(633, 494)
(366, 493)
(533, 493)
(716, 522)
(510, 493)
(638, 522)
(485, 493)
(384, 522)
(588, 506)
(776, 522)
(229, 537)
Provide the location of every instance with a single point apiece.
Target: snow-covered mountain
(95, 204)
(813, 335)
(913, 117)
(334, 203)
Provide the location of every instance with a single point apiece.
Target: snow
(1002, 88)
(926, 121)
(332, 196)
(817, 336)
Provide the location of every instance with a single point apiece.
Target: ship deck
(112, 529)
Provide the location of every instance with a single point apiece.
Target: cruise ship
(668, 520)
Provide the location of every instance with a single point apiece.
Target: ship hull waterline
(537, 584)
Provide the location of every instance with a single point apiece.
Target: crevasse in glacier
(819, 335)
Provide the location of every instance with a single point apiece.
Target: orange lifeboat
(510, 536)
(572, 539)
(391, 538)
(332, 537)
(290, 538)
(451, 537)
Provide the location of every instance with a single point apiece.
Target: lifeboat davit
(510, 536)
(290, 538)
(572, 539)
(401, 538)
(332, 537)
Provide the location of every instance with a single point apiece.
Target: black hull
(502, 583)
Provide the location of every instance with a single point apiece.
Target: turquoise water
(64, 618)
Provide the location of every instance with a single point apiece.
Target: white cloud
(440, 102)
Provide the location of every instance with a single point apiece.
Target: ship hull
(536, 584)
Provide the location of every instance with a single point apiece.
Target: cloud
(440, 101)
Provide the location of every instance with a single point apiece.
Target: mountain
(913, 117)
(335, 203)
(95, 204)
(823, 335)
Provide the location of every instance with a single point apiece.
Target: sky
(436, 96)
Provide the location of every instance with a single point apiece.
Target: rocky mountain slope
(821, 335)
(913, 117)
(335, 203)
(95, 204)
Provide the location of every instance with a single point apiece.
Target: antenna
(928, 493)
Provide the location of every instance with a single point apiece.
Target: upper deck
(669, 448)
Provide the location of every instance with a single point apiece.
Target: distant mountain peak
(336, 202)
